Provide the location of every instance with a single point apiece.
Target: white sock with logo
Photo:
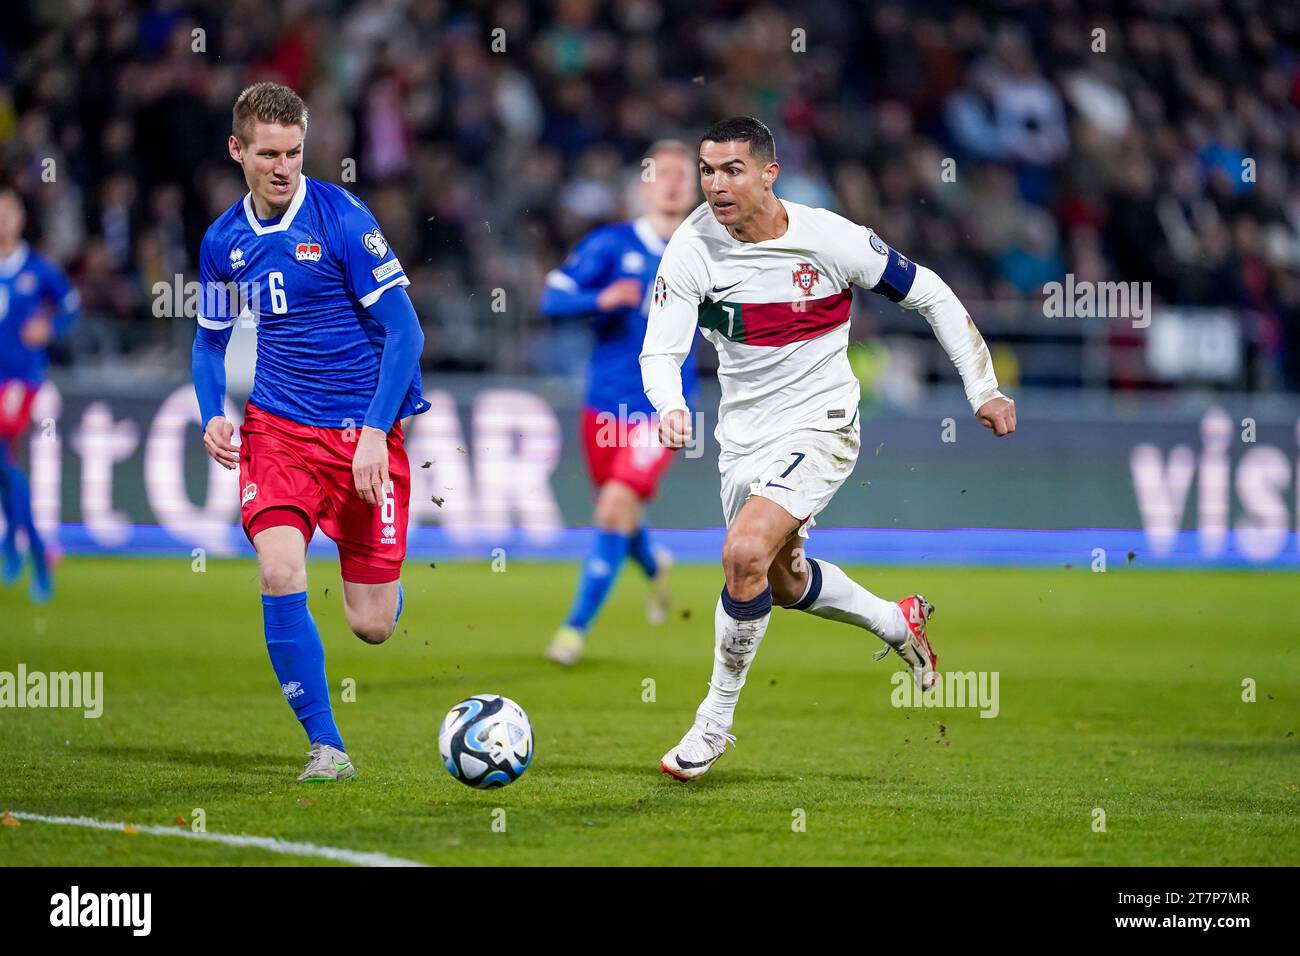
(832, 594)
(735, 644)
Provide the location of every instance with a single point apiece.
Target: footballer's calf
(371, 610)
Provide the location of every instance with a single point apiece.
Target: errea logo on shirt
(236, 258)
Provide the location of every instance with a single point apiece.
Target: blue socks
(760, 605)
(639, 550)
(598, 574)
(12, 560)
(17, 500)
(299, 660)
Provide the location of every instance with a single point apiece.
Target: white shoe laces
(713, 741)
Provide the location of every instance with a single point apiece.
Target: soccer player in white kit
(768, 283)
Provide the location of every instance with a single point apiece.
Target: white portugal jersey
(778, 313)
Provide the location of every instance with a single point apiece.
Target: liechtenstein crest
(308, 251)
(805, 277)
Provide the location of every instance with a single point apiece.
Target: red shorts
(628, 452)
(16, 397)
(301, 476)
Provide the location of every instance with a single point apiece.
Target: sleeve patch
(375, 243)
(900, 272)
(388, 268)
(660, 292)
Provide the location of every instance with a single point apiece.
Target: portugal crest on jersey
(805, 277)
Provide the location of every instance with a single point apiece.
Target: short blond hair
(671, 146)
(267, 103)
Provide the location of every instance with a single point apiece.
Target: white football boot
(566, 646)
(660, 600)
(703, 744)
(326, 765)
(916, 651)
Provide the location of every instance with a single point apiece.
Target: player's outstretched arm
(953, 327)
(581, 285)
(403, 345)
(561, 300)
(875, 266)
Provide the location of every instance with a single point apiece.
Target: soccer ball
(486, 741)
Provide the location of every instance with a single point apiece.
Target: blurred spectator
(489, 136)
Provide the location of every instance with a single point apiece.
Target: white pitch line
(270, 844)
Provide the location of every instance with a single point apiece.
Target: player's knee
(608, 515)
(744, 557)
(370, 624)
(373, 630)
(616, 508)
(282, 577)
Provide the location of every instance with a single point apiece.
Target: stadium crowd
(1002, 143)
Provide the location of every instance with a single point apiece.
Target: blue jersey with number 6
(306, 279)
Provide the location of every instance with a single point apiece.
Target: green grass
(1119, 690)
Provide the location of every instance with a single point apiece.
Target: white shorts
(800, 472)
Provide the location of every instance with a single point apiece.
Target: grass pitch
(1120, 691)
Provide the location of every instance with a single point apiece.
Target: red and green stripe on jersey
(774, 324)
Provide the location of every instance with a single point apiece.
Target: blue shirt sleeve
(403, 345)
(218, 305)
(572, 289)
(215, 324)
(369, 267)
(208, 366)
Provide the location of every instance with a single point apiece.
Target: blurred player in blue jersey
(338, 350)
(608, 276)
(37, 305)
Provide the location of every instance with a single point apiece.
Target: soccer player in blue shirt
(338, 349)
(609, 277)
(37, 305)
